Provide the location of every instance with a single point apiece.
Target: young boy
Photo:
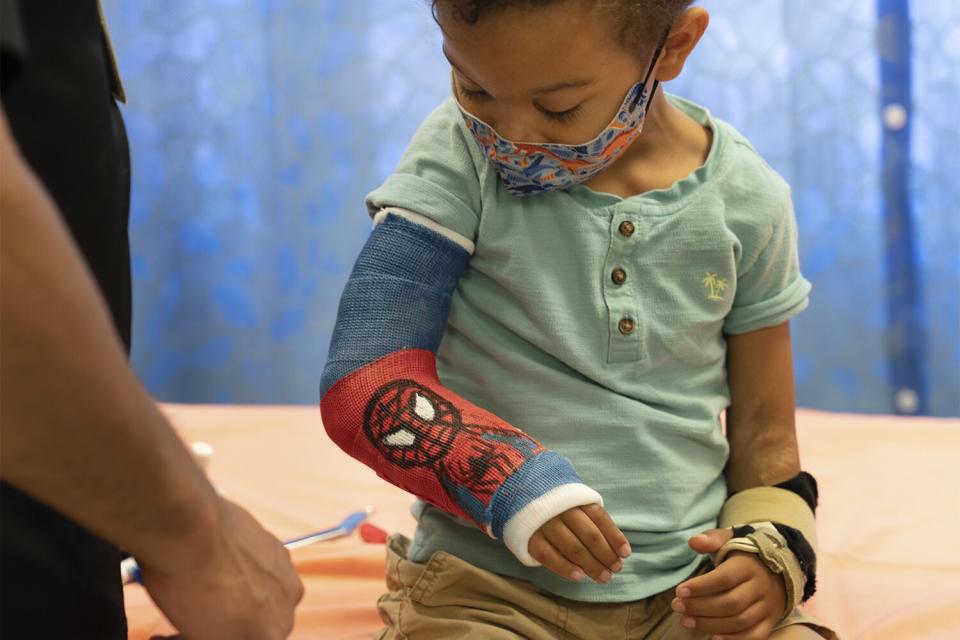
(591, 308)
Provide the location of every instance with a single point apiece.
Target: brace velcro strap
(771, 547)
(763, 504)
(804, 485)
(805, 556)
(791, 514)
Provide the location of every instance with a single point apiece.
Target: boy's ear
(684, 36)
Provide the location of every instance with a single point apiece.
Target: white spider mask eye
(400, 438)
(424, 408)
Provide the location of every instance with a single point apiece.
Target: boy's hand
(739, 600)
(581, 541)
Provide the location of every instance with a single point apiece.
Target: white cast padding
(526, 522)
(423, 220)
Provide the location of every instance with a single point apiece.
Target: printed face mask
(528, 168)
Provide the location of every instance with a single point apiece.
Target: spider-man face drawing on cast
(413, 426)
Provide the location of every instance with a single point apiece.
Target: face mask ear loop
(653, 63)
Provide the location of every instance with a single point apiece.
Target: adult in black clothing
(88, 463)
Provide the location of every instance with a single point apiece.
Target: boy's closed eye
(467, 95)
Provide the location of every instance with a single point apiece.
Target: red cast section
(394, 416)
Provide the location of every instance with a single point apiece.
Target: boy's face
(547, 74)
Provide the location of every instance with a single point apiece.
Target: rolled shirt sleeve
(770, 287)
(439, 176)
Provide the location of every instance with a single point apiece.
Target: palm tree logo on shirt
(716, 286)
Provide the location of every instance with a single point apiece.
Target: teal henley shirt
(596, 324)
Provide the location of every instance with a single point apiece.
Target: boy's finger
(610, 531)
(738, 623)
(570, 547)
(727, 603)
(710, 541)
(545, 553)
(722, 578)
(592, 538)
(758, 631)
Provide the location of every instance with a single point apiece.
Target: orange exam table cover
(888, 520)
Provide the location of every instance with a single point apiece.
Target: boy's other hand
(739, 600)
(581, 541)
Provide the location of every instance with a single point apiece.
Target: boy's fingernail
(576, 575)
(679, 607)
(689, 622)
(625, 551)
(605, 576)
(683, 592)
(616, 566)
(717, 638)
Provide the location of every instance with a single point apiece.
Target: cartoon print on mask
(413, 426)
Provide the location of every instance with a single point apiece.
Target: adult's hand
(238, 584)
(82, 435)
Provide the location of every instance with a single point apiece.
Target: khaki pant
(450, 598)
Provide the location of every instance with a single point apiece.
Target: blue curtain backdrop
(257, 126)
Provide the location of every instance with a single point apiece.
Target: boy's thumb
(710, 541)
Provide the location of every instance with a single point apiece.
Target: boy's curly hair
(649, 19)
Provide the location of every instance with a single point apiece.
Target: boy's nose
(515, 130)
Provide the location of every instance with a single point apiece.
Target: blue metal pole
(906, 339)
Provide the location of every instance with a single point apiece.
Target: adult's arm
(80, 434)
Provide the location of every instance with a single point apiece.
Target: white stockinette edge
(424, 221)
(526, 522)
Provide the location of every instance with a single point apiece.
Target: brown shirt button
(626, 326)
(627, 228)
(619, 276)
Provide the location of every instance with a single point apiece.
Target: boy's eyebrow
(568, 84)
